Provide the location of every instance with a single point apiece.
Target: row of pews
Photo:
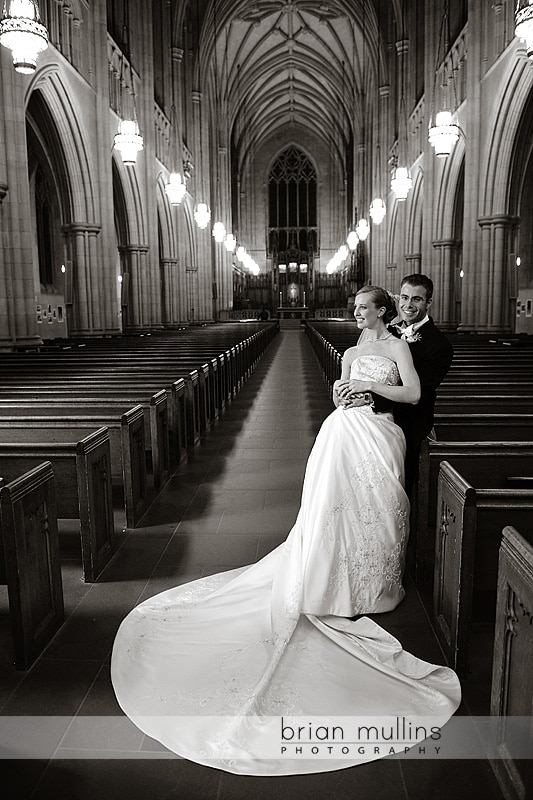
(90, 432)
(471, 541)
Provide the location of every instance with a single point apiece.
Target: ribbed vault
(278, 67)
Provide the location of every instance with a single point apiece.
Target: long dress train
(223, 670)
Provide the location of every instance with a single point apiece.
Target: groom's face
(414, 304)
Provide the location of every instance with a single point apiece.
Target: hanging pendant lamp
(377, 211)
(219, 232)
(128, 141)
(23, 33)
(175, 189)
(362, 229)
(202, 215)
(401, 183)
(443, 135)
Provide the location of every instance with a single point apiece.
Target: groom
(432, 356)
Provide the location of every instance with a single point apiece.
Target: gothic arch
(517, 83)
(166, 221)
(76, 162)
(452, 174)
(415, 215)
(129, 182)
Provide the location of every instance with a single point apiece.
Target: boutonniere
(412, 337)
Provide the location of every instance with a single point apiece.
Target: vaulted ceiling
(293, 65)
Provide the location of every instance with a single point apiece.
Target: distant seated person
(263, 314)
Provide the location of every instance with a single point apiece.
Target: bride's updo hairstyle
(382, 299)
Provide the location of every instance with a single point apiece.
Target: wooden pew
(82, 472)
(473, 402)
(491, 462)
(103, 400)
(28, 524)
(126, 438)
(512, 676)
(459, 427)
(470, 523)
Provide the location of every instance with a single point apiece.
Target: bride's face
(366, 312)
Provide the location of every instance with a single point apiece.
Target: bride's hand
(348, 389)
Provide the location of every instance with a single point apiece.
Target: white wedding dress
(214, 668)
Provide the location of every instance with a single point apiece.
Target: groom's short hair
(417, 279)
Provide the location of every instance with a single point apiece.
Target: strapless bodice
(375, 368)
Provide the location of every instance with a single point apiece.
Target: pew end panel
(466, 556)
(93, 466)
(454, 565)
(512, 677)
(492, 463)
(134, 464)
(28, 519)
(159, 435)
(178, 420)
(192, 381)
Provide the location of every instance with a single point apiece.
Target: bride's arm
(347, 359)
(408, 392)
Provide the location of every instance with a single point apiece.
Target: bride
(253, 670)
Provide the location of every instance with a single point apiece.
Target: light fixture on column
(444, 134)
(23, 33)
(377, 211)
(352, 240)
(202, 215)
(402, 182)
(128, 140)
(176, 188)
(202, 212)
(219, 232)
(230, 242)
(523, 17)
(362, 229)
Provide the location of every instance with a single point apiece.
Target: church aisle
(233, 501)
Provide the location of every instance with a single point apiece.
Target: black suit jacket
(432, 356)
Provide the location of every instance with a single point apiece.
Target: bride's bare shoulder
(350, 354)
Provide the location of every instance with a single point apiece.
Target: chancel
(266, 438)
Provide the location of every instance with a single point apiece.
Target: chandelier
(219, 232)
(362, 229)
(401, 183)
(128, 141)
(443, 135)
(23, 33)
(230, 243)
(523, 17)
(377, 211)
(202, 215)
(176, 188)
(352, 240)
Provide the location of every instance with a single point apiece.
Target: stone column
(443, 307)
(135, 264)
(493, 311)
(85, 314)
(18, 317)
(171, 311)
